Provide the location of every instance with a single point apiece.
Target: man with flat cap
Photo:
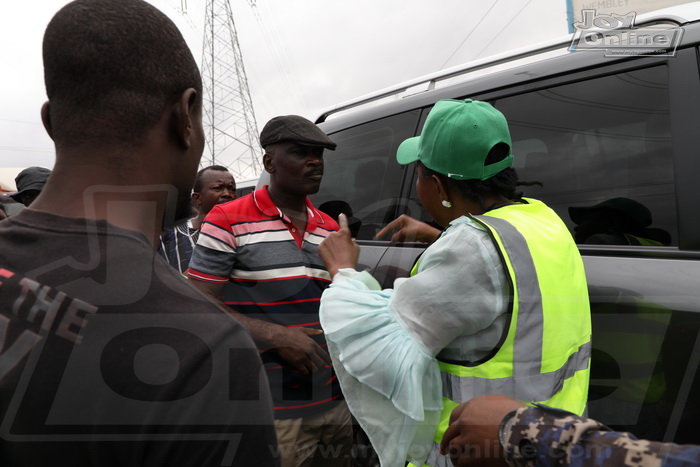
(29, 183)
(259, 255)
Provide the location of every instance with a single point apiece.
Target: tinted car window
(362, 177)
(241, 192)
(591, 141)
(584, 143)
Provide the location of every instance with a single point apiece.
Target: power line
(495, 36)
(25, 149)
(469, 35)
(20, 121)
(278, 57)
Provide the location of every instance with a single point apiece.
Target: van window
(589, 142)
(241, 192)
(581, 144)
(361, 177)
(244, 187)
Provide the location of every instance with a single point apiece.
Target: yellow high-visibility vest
(544, 356)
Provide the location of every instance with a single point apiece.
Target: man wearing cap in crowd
(470, 319)
(29, 183)
(259, 255)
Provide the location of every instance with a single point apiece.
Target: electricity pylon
(229, 122)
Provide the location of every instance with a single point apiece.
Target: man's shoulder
(45, 245)
(239, 210)
(244, 203)
(113, 269)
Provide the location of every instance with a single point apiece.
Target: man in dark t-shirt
(108, 357)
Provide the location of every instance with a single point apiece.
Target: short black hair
(198, 179)
(110, 68)
(504, 183)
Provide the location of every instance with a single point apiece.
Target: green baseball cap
(456, 139)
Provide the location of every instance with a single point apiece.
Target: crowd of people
(273, 345)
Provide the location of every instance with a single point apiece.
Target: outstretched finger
(343, 222)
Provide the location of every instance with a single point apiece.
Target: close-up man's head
(114, 70)
(213, 185)
(110, 69)
(294, 154)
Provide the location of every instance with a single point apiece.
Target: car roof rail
(441, 75)
(679, 14)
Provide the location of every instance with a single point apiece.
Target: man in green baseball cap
(470, 319)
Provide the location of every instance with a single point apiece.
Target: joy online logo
(617, 35)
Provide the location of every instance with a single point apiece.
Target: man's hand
(472, 437)
(298, 349)
(294, 345)
(339, 249)
(408, 229)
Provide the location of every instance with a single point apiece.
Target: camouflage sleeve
(544, 436)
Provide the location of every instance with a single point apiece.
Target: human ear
(268, 164)
(440, 188)
(185, 114)
(195, 198)
(46, 118)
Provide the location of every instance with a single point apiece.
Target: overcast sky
(301, 56)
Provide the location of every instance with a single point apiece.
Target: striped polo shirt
(272, 272)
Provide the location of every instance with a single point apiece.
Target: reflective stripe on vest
(540, 388)
(435, 459)
(532, 384)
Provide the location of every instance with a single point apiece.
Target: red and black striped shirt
(272, 272)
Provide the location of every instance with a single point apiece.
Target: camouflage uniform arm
(544, 436)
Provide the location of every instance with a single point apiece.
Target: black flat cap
(294, 129)
(31, 178)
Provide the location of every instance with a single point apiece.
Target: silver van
(587, 127)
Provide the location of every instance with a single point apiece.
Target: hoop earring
(446, 203)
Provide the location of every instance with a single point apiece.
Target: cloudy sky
(301, 56)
